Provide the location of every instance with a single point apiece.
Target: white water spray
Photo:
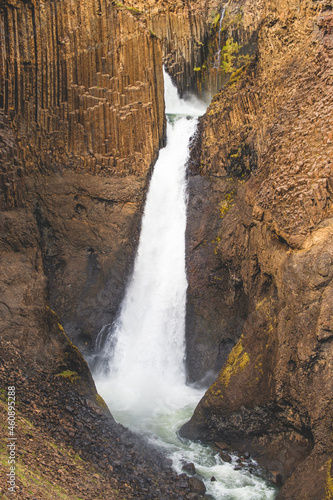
(145, 387)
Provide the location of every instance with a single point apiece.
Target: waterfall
(146, 348)
(218, 54)
(145, 385)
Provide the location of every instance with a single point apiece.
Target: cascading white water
(218, 54)
(149, 336)
(145, 385)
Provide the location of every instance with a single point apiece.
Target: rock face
(74, 90)
(81, 123)
(260, 256)
(88, 116)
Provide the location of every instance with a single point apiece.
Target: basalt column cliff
(260, 249)
(82, 85)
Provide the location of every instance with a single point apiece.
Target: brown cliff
(86, 107)
(87, 110)
(72, 89)
(262, 252)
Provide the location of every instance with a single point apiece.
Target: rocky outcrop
(184, 29)
(68, 446)
(260, 258)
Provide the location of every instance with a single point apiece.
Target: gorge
(82, 121)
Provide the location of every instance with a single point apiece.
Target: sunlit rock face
(83, 87)
(260, 251)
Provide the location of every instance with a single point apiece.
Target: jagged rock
(225, 457)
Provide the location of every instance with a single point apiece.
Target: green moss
(197, 69)
(228, 55)
(133, 10)
(216, 20)
(237, 361)
(152, 34)
(70, 375)
(101, 403)
(236, 76)
(31, 478)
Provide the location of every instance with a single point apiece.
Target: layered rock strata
(262, 251)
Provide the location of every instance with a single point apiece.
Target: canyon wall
(77, 79)
(81, 124)
(260, 252)
(81, 86)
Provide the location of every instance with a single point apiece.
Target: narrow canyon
(83, 123)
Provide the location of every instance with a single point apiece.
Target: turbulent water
(145, 384)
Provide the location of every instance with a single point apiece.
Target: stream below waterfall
(145, 382)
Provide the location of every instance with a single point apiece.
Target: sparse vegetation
(70, 375)
(227, 203)
(228, 55)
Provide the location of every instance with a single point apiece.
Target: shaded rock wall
(26, 320)
(184, 29)
(81, 87)
(264, 156)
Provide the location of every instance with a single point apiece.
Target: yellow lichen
(258, 366)
(329, 481)
(227, 203)
(237, 361)
(101, 403)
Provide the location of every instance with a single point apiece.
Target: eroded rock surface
(262, 251)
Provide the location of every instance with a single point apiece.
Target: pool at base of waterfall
(237, 479)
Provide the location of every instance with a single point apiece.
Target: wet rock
(225, 457)
(189, 468)
(276, 477)
(197, 485)
(260, 255)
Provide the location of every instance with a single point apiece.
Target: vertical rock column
(84, 80)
